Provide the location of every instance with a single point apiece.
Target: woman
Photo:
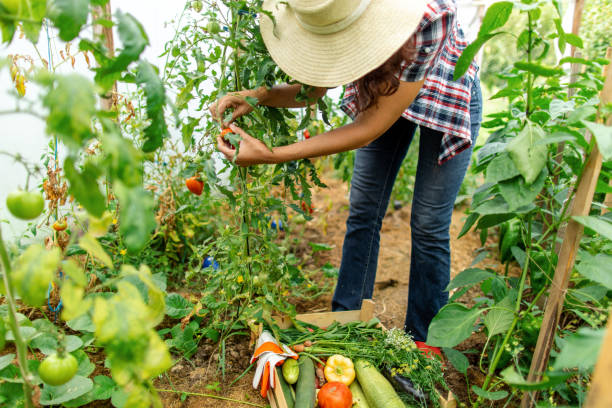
(398, 59)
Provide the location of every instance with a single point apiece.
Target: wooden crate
(276, 398)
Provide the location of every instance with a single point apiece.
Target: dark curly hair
(384, 81)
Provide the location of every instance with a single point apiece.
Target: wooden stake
(567, 257)
(578, 9)
(106, 34)
(600, 392)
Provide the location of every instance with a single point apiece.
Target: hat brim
(330, 60)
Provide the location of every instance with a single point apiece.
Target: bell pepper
(340, 368)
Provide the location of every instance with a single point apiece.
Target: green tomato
(213, 27)
(56, 370)
(25, 205)
(196, 6)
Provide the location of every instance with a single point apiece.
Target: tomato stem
(19, 343)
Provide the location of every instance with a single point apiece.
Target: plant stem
(197, 394)
(529, 75)
(517, 316)
(19, 343)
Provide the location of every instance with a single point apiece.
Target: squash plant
(531, 164)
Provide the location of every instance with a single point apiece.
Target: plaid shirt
(442, 104)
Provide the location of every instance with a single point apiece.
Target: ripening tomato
(306, 208)
(213, 27)
(25, 205)
(196, 6)
(60, 225)
(335, 395)
(56, 370)
(194, 185)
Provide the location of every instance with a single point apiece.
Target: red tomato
(225, 131)
(335, 395)
(306, 134)
(307, 209)
(194, 185)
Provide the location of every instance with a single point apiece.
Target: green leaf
(549, 380)
(501, 168)
(574, 40)
(528, 157)
(499, 318)
(518, 193)
(598, 225)
(580, 350)
(177, 306)
(492, 220)
(154, 91)
(6, 360)
(469, 53)
(33, 272)
(134, 40)
(72, 104)
(453, 324)
(316, 247)
(84, 186)
(74, 388)
(603, 135)
(490, 395)
(69, 16)
(496, 16)
(90, 244)
(469, 277)
(137, 217)
(538, 69)
(457, 359)
(597, 268)
(469, 222)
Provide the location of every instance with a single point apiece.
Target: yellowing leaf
(93, 248)
(72, 299)
(72, 270)
(33, 272)
(157, 359)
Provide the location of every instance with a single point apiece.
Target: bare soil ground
(328, 226)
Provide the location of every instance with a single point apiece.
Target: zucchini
(378, 391)
(359, 399)
(287, 392)
(305, 394)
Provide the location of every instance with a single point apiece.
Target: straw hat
(328, 43)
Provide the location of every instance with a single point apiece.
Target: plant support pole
(567, 258)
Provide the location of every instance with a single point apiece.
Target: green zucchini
(359, 399)
(377, 389)
(305, 393)
(287, 392)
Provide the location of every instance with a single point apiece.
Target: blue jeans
(435, 190)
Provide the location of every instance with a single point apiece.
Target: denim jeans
(435, 190)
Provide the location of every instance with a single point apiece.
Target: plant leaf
(580, 350)
(453, 324)
(603, 135)
(528, 157)
(597, 268)
(469, 277)
(69, 16)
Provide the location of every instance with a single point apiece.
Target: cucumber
(378, 391)
(305, 394)
(287, 392)
(359, 399)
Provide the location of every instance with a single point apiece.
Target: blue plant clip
(210, 261)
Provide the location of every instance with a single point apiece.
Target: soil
(201, 375)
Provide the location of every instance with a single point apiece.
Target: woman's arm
(368, 126)
(279, 96)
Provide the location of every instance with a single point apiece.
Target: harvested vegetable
(287, 393)
(335, 395)
(359, 399)
(341, 369)
(305, 388)
(378, 391)
(291, 370)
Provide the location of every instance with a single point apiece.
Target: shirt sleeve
(428, 41)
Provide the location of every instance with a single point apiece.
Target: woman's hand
(236, 101)
(251, 151)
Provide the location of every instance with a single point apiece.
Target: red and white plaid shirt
(442, 104)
